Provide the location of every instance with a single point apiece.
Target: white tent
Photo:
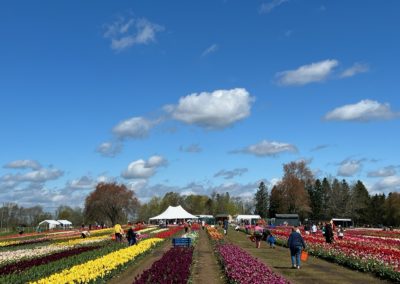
(247, 217)
(50, 223)
(65, 223)
(172, 213)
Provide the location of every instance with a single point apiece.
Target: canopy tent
(247, 217)
(51, 224)
(172, 213)
(65, 223)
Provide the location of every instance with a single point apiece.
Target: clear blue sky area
(195, 96)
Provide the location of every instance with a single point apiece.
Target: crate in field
(181, 242)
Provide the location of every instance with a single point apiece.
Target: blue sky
(195, 96)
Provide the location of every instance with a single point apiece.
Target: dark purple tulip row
(173, 267)
(26, 264)
(240, 267)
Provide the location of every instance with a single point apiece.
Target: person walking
(328, 233)
(186, 226)
(314, 229)
(340, 232)
(131, 236)
(118, 232)
(296, 245)
(203, 224)
(226, 226)
(258, 233)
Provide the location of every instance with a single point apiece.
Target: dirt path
(315, 270)
(206, 267)
(128, 275)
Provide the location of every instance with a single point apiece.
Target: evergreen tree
(261, 200)
(392, 209)
(275, 202)
(326, 199)
(316, 202)
(361, 203)
(377, 209)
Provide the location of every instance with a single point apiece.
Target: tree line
(297, 192)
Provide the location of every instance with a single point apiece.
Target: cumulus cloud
(232, 173)
(109, 149)
(135, 127)
(365, 110)
(125, 33)
(384, 172)
(211, 49)
(268, 148)
(194, 148)
(37, 176)
(84, 182)
(349, 168)
(23, 164)
(388, 184)
(141, 169)
(271, 5)
(234, 189)
(218, 109)
(354, 70)
(314, 72)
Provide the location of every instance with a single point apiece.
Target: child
(271, 241)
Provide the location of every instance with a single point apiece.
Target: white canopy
(247, 217)
(52, 223)
(65, 222)
(172, 212)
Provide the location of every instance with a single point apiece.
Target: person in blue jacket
(296, 245)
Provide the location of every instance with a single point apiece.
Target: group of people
(131, 235)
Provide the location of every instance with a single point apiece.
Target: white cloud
(384, 172)
(355, 69)
(268, 7)
(365, 110)
(141, 169)
(267, 148)
(109, 149)
(135, 127)
(194, 148)
(232, 173)
(37, 176)
(23, 164)
(125, 33)
(314, 72)
(218, 109)
(388, 184)
(84, 182)
(320, 147)
(211, 49)
(349, 168)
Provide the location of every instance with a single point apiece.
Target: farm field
(212, 258)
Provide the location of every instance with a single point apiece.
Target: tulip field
(372, 251)
(66, 257)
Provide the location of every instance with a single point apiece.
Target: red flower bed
(167, 234)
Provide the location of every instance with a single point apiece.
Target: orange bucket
(304, 256)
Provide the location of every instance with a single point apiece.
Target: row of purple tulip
(172, 267)
(26, 264)
(241, 267)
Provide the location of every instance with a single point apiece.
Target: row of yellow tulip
(100, 267)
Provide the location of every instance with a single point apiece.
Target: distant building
(286, 219)
(345, 223)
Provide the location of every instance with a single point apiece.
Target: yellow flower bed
(7, 243)
(100, 267)
(146, 230)
(102, 231)
(83, 241)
